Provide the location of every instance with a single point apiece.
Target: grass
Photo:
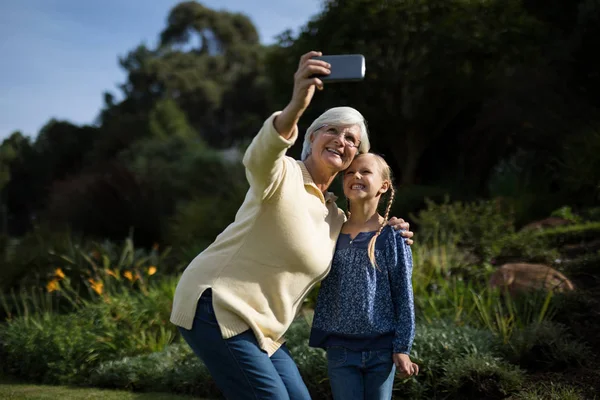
(10, 390)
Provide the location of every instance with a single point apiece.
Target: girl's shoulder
(392, 233)
(395, 237)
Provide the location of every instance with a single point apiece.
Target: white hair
(338, 116)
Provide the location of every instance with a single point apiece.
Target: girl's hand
(399, 223)
(404, 366)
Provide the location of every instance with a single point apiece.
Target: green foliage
(68, 272)
(524, 247)
(83, 202)
(52, 348)
(570, 234)
(567, 213)
(167, 120)
(550, 391)
(197, 222)
(474, 226)
(176, 369)
(446, 286)
(26, 260)
(546, 346)
(502, 314)
(481, 376)
(446, 57)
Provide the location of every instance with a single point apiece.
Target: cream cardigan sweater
(280, 245)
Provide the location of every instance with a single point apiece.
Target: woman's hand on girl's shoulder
(404, 227)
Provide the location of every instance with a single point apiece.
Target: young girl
(364, 316)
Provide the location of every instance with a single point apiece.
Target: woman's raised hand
(305, 83)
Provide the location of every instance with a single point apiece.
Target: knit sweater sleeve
(402, 297)
(264, 159)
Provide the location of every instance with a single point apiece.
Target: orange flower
(111, 273)
(59, 273)
(128, 275)
(97, 287)
(151, 270)
(52, 285)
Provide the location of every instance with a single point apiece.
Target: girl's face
(334, 146)
(363, 180)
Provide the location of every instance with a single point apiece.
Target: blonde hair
(386, 175)
(338, 116)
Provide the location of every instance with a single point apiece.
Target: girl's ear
(384, 187)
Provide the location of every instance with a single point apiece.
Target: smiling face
(366, 178)
(334, 146)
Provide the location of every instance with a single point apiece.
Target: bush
(435, 344)
(27, 259)
(51, 348)
(175, 369)
(480, 376)
(524, 247)
(546, 346)
(550, 391)
(474, 226)
(441, 340)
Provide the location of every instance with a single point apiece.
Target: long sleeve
(402, 297)
(264, 159)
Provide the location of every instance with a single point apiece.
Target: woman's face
(334, 146)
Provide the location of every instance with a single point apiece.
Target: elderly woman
(238, 297)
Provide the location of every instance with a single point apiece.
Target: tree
(210, 63)
(430, 66)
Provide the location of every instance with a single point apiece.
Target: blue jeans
(240, 368)
(360, 375)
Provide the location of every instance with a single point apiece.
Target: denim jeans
(363, 375)
(240, 368)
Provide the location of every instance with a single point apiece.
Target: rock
(549, 222)
(523, 277)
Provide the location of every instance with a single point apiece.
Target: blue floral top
(364, 308)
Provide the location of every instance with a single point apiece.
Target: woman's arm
(304, 90)
(264, 161)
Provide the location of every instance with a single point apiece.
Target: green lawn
(23, 391)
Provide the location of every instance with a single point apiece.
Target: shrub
(524, 247)
(546, 346)
(441, 340)
(72, 274)
(175, 369)
(474, 226)
(84, 201)
(478, 376)
(52, 348)
(550, 391)
(26, 259)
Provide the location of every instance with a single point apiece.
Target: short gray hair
(338, 116)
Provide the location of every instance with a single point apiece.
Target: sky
(58, 57)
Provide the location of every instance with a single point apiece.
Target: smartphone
(344, 68)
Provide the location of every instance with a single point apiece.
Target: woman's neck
(364, 214)
(321, 177)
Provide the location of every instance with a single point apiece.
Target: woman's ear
(311, 137)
